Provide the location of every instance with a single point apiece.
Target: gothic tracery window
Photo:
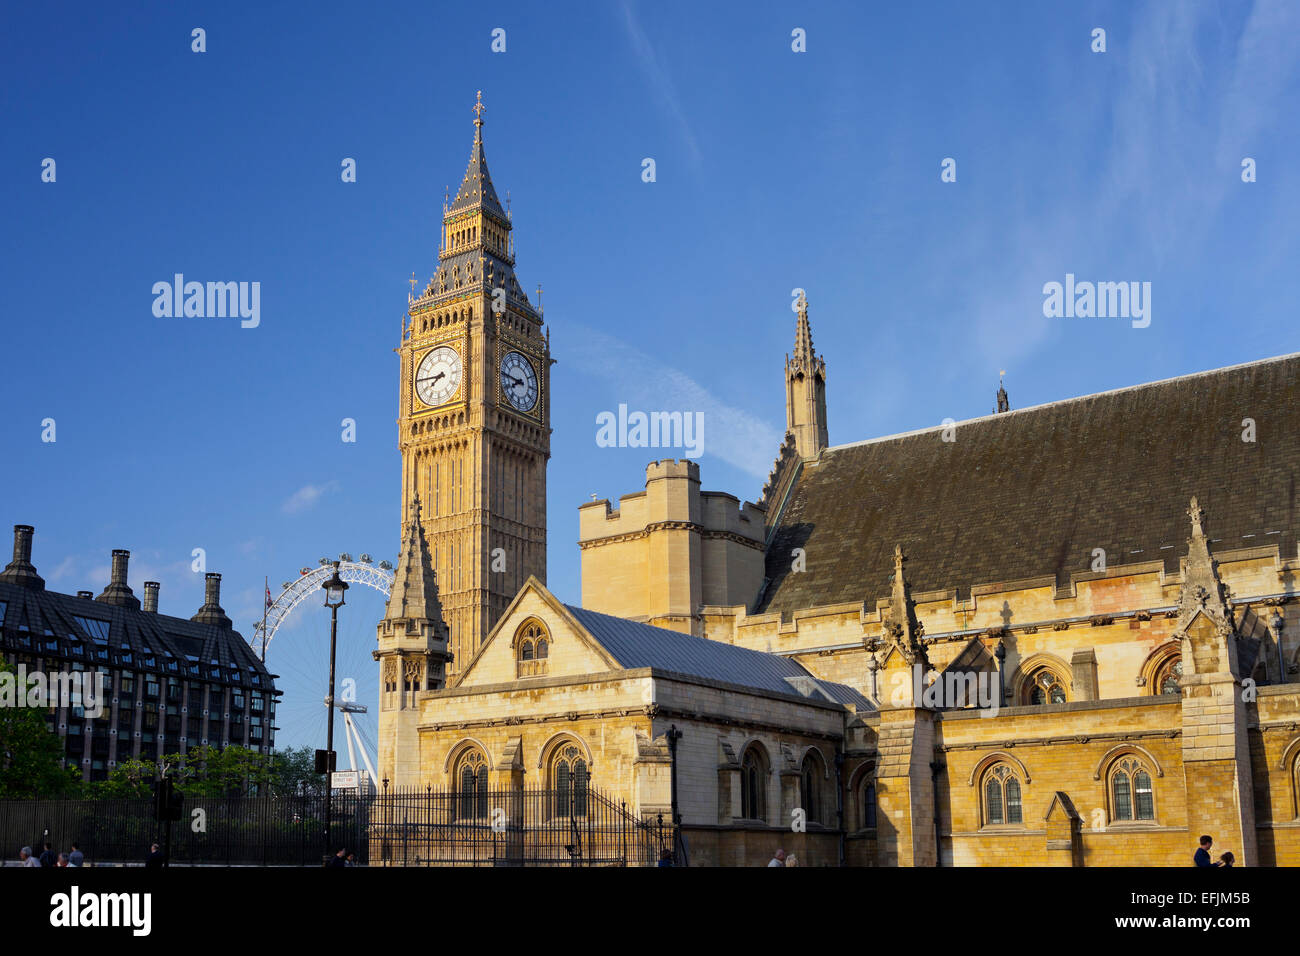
(471, 785)
(570, 777)
(753, 785)
(1002, 796)
(1045, 687)
(1132, 797)
(1169, 679)
(811, 775)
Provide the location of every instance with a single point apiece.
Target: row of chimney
(22, 572)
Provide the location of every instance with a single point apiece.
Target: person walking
(47, 855)
(338, 860)
(25, 857)
(1202, 855)
(154, 860)
(778, 858)
(1227, 859)
(76, 857)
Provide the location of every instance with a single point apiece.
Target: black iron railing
(428, 827)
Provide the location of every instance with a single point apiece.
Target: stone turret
(412, 654)
(805, 390)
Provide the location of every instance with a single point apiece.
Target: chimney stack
(211, 612)
(20, 570)
(151, 596)
(118, 591)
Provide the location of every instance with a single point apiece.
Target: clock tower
(474, 419)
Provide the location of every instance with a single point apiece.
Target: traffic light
(320, 761)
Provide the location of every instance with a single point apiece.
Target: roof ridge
(1002, 416)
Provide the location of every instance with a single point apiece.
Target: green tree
(30, 756)
(130, 778)
(294, 768)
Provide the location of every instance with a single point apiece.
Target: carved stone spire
(415, 587)
(805, 389)
(1208, 647)
(1004, 404)
(901, 629)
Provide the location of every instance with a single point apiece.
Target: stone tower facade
(412, 654)
(805, 390)
(668, 551)
(474, 422)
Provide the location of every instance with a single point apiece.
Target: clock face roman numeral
(438, 376)
(518, 381)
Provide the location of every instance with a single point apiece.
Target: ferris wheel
(364, 571)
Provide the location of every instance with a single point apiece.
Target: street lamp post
(334, 589)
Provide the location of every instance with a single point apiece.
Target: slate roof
(29, 618)
(1032, 492)
(634, 644)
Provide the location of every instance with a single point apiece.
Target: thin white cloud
(646, 384)
(307, 496)
(660, 81)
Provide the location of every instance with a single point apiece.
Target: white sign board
(345, 780)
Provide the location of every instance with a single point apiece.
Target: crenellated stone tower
(805, 390)
(412, 655)
(474, 419)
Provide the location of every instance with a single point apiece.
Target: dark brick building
(170, 683)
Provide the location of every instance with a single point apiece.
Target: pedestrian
(665, 857)
(1202, 855)
(76, 857)
(351, 859)
(155, 858)
(338, 860)
(1227, 859)
(25, 857)
(63, 860)
(47, 855)
(791, 860)
(778, 858)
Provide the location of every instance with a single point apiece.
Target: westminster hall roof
(1031, 493)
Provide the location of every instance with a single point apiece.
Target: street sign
(346, 780)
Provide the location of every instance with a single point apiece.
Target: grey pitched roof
(32, 618)
(1032, 492)
(634, 644)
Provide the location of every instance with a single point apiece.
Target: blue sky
(775, 170)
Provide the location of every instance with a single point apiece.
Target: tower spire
(805, 388)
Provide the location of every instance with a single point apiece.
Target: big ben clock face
(519, 381)
(438, 376)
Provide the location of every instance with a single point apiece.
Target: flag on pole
(269, 602)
